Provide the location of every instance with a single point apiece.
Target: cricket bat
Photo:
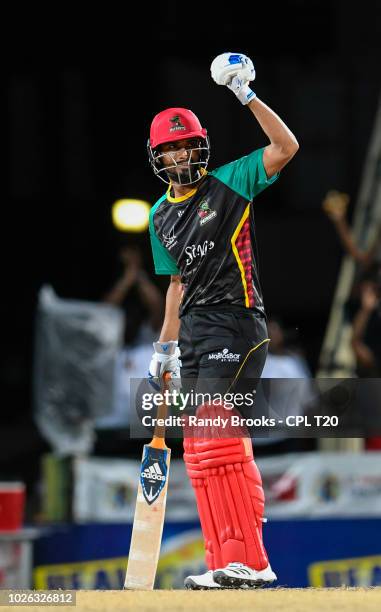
(150, 509)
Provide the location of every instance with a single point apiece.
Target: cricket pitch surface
(266, 600)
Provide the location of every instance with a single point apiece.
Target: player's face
(182, 161)
(180, 152)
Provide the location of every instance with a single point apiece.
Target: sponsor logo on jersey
(225, 355)
(177, 126)
(153, 473)
(170, 239)
(205, 213)
(193, 251)
(180, 213)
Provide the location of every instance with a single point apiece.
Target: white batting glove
(241, 89)
(234, 70)
(166, 358)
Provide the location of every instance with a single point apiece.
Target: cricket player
(202, 234)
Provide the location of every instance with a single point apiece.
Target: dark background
(81, 91)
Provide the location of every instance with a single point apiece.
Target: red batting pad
(199, 484)
(230, 498)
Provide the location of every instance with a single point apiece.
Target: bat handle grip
(162, 410)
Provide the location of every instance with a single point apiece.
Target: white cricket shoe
(238, 575)
(204, 581)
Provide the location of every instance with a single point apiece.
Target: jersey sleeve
(246, 176)
(163, 261)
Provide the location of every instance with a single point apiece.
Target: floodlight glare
(130, 215)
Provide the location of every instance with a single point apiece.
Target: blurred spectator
(363, 306)
(366, 335)
(283, 362)
(335, 206)
(366, 340)
(143, 304)
(138, 296)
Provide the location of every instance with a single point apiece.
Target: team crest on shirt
(205, 213)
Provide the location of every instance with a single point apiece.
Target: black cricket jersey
(208, 236)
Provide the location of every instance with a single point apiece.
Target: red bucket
(12, 503)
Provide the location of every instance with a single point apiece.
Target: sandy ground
(269, 600)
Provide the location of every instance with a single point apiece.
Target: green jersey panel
(246, 176)
(163, 261)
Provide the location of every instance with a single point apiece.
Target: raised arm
(236, 70)
(283, 144)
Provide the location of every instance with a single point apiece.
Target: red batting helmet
(177, 124)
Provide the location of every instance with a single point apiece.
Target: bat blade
(149, 518)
